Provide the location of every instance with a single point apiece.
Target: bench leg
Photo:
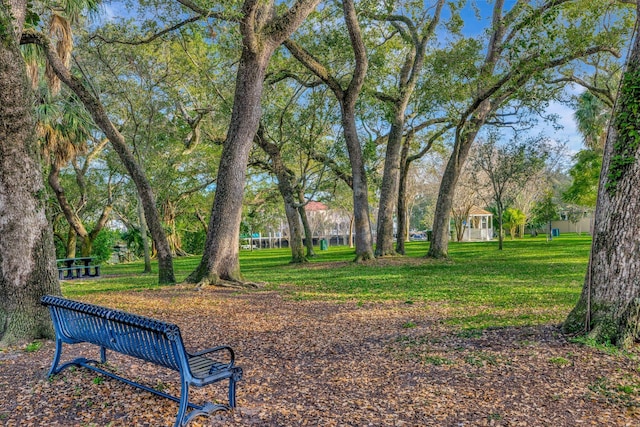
(184, 403)
(56, 359)
(237, 376)
(232, 392)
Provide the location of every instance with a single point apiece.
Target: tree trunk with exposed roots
(609, 307)
(27, 256)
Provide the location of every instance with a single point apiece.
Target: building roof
(315, 206)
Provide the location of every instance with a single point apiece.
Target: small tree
(512, 220)
(507, 168)
(545, 211)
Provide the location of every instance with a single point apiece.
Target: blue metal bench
(143, 338)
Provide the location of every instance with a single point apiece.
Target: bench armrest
(232, 356)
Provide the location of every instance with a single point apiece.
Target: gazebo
(479, 225)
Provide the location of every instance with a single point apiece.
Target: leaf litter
(320, 363)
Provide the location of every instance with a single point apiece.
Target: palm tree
(62, 15)
(592, 117)
(64, 129)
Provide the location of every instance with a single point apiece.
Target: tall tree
(609, 306)
(27, 256)
(526, 46)
(591, 116)
(263, 31)
(347, 98)
(397, 99)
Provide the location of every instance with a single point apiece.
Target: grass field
(530, 282)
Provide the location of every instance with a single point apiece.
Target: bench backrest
(137, 336)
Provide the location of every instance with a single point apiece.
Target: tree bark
(308, 235)
(284, 176)
(145, 239)
(71, 243)
(94, 107)
(609, 307)
(403, 221)
(27, 255)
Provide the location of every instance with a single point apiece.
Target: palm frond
(60, 31)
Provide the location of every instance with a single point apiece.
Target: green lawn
(530, 282)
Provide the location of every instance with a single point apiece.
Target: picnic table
(77, 267)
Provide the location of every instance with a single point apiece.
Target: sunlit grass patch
(530, 282)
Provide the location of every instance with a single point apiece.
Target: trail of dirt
(314, 363)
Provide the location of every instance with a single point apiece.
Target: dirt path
(336, 364)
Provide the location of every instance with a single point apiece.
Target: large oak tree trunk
(295, 231)
(263, 30)
(609, 307)
(220, 257)
(27, 256)
(362, 225)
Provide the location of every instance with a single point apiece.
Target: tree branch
(274, 78)
(518, 73)
(152, 37)
(335, 168)
(603, 95)
(281, 28)
(313, 65)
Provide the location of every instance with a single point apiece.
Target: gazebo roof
(476, 211)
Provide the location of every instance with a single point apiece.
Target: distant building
(326, 223)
